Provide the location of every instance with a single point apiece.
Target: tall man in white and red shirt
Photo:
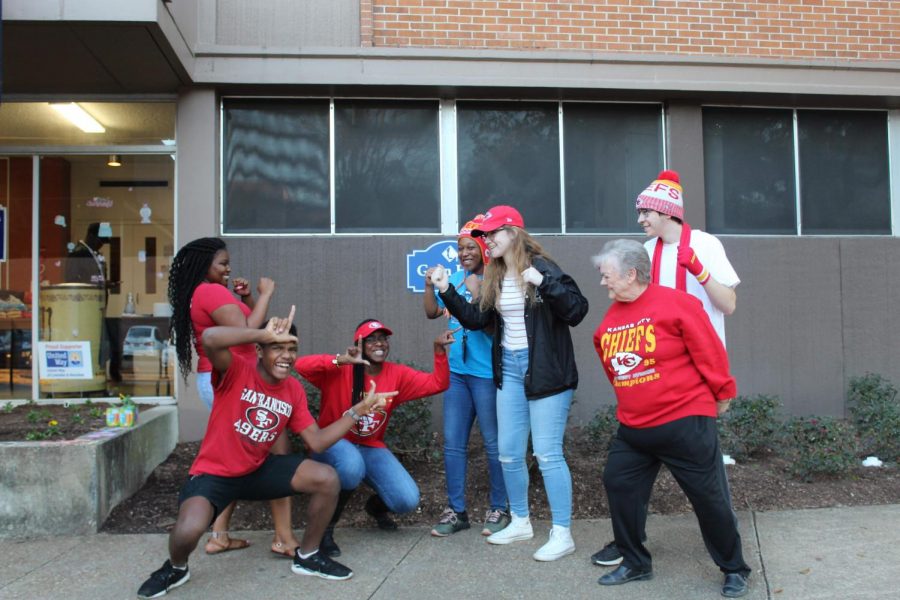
(254, 403)
(686, 259)
(670, 374)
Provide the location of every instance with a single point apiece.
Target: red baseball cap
(370, 327)
(497, 217)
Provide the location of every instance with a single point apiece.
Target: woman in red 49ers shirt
(362, 455)
(670, 373)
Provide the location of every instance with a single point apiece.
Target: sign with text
(65, 360)
(440, 253)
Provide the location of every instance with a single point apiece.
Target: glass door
(16, 275)
(106, 241)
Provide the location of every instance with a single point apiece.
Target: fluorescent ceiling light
(78, 117)
(168, 142)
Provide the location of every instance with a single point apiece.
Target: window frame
(447, 136)
(892, 119)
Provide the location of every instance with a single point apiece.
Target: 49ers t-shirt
(247, 417)
(336, 384)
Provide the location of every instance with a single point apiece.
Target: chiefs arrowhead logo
(368, 425)
(624, 362)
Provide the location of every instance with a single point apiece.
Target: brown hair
(522, 251)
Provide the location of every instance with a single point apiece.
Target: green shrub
(602, 427)
(749, 426)
(875, 408)
(820, 446)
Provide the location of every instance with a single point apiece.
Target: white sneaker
(559, 545)
(519, 529)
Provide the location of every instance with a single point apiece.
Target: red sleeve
(300, 417)
(316, 367)
(413, 384)
(212, 297)
(222, 380)
(706, 349)
(599, 348)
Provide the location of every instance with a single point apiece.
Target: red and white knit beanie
(663, 195)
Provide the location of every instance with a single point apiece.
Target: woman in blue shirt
(472, 393)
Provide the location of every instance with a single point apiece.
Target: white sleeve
(712, 254)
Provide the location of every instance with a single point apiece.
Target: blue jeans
(467, 397)
(546, 419)
(378, 467)
(205, 388)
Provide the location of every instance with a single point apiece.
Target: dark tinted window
(508, 153)
(275, 166)
(612, 152)
(844, 179)
(749, 171)
(387, 166)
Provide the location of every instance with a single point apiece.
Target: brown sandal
(215, 545)
(282, 550)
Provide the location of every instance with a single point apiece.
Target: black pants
(689, 447)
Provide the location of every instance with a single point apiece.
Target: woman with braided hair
(198, 293)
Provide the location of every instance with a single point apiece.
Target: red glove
(687, 258)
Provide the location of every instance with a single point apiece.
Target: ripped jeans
(546, 420)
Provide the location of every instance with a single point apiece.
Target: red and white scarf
(680, 272)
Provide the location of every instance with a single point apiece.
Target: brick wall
(800, 29)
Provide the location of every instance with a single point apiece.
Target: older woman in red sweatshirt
(670, 373)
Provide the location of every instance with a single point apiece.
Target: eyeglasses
(375, 339)
(491, 234)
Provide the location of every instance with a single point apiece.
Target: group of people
(506, 359)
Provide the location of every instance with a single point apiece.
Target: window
(508, 153)
(752, 174)
(749, 171)
(276, 166)
(612, 151)
(375, 166)
(844, 172)
(387, 166)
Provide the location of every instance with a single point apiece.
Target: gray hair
(627, 254)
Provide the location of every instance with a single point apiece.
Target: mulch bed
(71, 421)
(761, 485)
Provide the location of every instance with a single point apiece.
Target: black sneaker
(327, 546)
(163, 580)
(321, 566)
(608, 556)
(377, 510)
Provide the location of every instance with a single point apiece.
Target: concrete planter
(70, 487)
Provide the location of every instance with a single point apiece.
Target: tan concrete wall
(196, 177)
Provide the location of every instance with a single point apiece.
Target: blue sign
(58, 358)
(440, 253)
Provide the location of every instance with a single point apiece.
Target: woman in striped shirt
(531, 304)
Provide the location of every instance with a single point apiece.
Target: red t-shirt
(247, 417)
(336, 384)
(205, 300)
(663, 358)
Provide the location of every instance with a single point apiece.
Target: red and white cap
(466, 231)
(663, 195)
(370, 327)
(497, 217)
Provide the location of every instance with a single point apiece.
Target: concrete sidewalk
(820, 554)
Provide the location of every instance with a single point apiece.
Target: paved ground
(822, 554)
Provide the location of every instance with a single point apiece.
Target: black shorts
(271, 480)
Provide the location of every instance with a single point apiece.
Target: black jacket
(551, 359)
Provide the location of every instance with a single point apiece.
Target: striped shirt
(512, 309)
